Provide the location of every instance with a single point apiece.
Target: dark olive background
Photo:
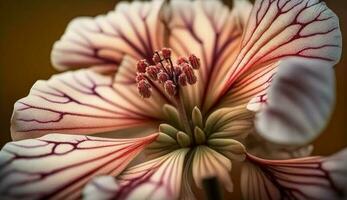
(28, 28)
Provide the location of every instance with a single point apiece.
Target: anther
(192, 79)
(189, 72)
(162, 77)
(144, 88)
(194, 61)
(163, 71)
(156, 58)
(170, 87)
(181, 60)
(182, 79)
(166, 52)
(152, 72)
(142, 65)
(140, 77)
(177, 70)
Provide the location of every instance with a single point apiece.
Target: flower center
(188, 128)
(171, 77)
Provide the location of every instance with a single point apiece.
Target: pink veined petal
(101, 187)
(57, 166)
(305, 178)
(213, 33)
(83, 102)
(126, 73)
(283, 28)
(156, 179)
(251, 88)
(133, 29)
(300, 101)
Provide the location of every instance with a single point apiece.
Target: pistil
(183, 114)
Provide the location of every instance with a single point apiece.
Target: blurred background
(29, 28)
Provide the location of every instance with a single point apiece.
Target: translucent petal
(300, 101)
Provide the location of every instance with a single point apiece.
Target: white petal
(101, 188)
(82, 102)
(158, 179)
(134, 29)
(279, 29)
(300, 102)
(306, 178)
(57, 166)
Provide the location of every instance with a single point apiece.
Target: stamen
(182, 60)
(170, 76)
(188, 71)
(182, 79)
(140, 77)
(163, 77)
(170, 87)
(144, 88)
(142, 65)
(166, 52)
(156, 58)
(194, 61)
(165, 68)
(152, 72)
(177, 70)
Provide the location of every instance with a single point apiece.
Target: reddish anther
(182, 60)
(164, 72)
(177, 70)
(189, 72)
(142, 65)
(182, 80)
(162, 77)
(166, 52)
(144, 88)
(140, 77)
(194, 61)
(192, 80)
(152, 72)
(170, 87)
(156, 58)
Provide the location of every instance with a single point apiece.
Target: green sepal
(172, 116)
(197, 117)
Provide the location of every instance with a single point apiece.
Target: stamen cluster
(170, 75)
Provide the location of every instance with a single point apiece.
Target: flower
(177, 92)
